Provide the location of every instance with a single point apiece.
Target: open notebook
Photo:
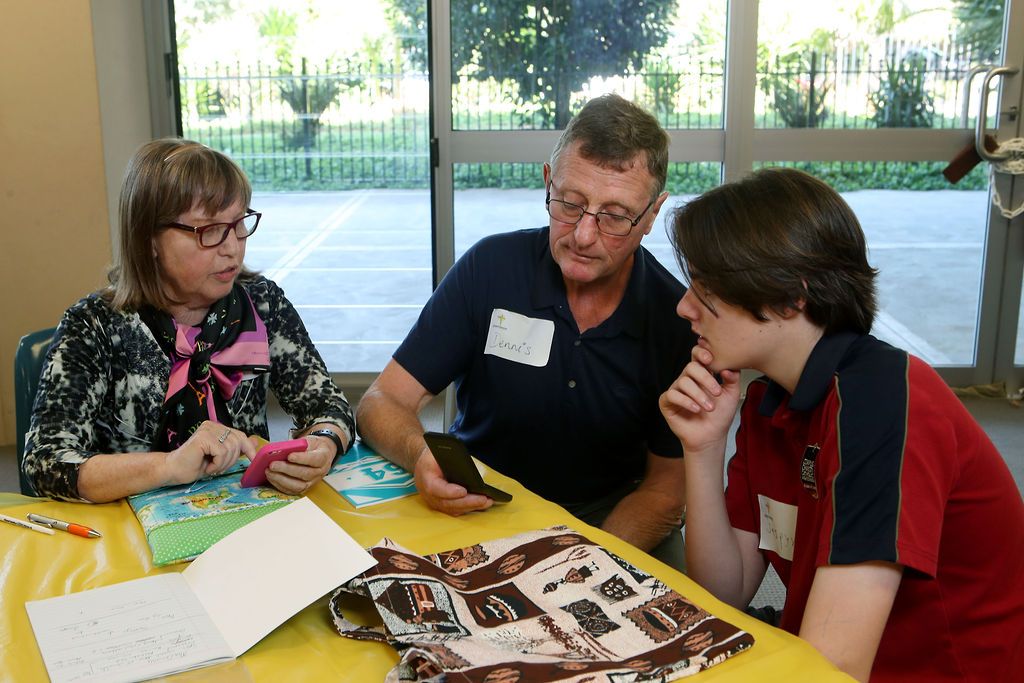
(172, 622)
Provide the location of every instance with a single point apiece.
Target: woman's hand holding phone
(256, 474)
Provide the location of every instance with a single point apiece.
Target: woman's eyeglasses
(214, 234)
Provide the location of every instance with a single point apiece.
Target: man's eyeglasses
(608, 223)
(214, 234)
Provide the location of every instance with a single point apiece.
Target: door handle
(979, 129)
(965, 109)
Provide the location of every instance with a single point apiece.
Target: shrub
(902, 99)
(799, 87)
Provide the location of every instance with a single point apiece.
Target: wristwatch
(328, 434)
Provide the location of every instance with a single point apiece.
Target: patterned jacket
(105, 379)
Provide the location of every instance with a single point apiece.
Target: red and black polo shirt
(883, 462)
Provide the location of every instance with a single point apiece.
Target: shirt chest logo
(809, 470)
(518, 338)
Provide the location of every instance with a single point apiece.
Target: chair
(28, 365)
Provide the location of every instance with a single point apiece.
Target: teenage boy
(858, 475)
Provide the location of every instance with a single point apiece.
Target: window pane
(325, 107)
(836, 65)
(356, 265)
(531, 65)
(928, 244)
(495, 198)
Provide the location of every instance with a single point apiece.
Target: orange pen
(70, 527)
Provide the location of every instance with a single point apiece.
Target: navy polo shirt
(578, 427)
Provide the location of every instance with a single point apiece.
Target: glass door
(871, 98)
(409, 170)
(1010, 338)
(506, 82)
(325, 106)
(877, 105)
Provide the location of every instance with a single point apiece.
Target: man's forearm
(391, 429)
(644, 518)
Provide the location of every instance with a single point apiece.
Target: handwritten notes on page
(778, 526)
(129, 631)
(231, 596)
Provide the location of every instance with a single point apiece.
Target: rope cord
(1012, 165)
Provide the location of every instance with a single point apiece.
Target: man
(559, 341)
(858, 475)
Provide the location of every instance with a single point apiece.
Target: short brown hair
(164, 179)
(612, 131)
(776, 237)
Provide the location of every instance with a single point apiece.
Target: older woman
(162, 377)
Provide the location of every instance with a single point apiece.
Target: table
(307, 647)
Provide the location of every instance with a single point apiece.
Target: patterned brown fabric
(547, 605)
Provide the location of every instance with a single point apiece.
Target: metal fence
(349, 126)
(333, 127)
(891, 84)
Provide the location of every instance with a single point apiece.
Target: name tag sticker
(520, 339)
(778, 527)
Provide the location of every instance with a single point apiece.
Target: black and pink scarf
(231, 343)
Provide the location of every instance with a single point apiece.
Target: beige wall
(54, 221)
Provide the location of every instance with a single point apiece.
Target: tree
(309, 101)
(279, 29)
(980, 25)
(408, 21)
(190, 15)
(548, 48)
(308, 95)
(798, 80)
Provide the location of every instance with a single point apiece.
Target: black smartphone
(458, 466)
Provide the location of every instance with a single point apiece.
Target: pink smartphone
(256, 474)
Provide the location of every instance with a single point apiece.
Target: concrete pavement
(357, 264)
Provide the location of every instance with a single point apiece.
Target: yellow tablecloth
(306, 647)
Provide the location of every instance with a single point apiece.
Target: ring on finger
(224, 436)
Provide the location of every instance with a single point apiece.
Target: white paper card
(778, 527)
(279, 563)
(518, 338)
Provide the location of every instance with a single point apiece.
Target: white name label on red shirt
(520, 339)
(778, 527)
